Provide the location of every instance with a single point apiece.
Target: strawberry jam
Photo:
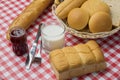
(18, 39)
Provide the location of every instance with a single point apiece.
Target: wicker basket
(85, 34)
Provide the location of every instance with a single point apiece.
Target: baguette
(29, 14)
(66, 6)
(57, 2)
(77, 60)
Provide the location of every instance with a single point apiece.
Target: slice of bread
(115, 11)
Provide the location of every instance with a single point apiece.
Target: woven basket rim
(82, 34)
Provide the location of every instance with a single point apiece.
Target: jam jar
(19, 41)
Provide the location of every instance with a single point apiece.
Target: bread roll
(115, 11)
(29, 14)
(100, 22)
(78, 18)
(77, 60)
(93, 6)
(66, 6)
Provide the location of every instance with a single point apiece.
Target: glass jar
(19, 41)
(53, 36)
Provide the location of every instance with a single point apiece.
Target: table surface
(13, 67)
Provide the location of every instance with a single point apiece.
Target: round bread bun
(93, 6)
(100, 22)
(78, 18)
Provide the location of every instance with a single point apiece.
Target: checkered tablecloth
(13, 67)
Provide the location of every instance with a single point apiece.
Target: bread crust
(100, 22)
(66, 6)
(93, 6)
(78, 18)
(29, 14)
(81, 59)
(79, 71)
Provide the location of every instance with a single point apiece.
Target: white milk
(52, 37)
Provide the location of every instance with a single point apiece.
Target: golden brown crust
(78, 18)
(100, 22)
(72, 57)
(85, 54)
(82, 48)
(98, 55)
(92, 44)
(80, 59)
(29, 14)
(59, 60)
(57, 2)
(96, 51)
(66, 6)
(93, 6)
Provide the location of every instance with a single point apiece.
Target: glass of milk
(53, 36)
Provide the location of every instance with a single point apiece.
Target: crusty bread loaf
(57, 2)
(29, 14)
(64, 8)
(78, 60)
(115, 11)
(100, 22)
(93, 6)
(78, 18)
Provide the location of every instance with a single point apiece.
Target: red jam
(18, 39)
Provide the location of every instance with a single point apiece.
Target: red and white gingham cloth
(13, 67)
